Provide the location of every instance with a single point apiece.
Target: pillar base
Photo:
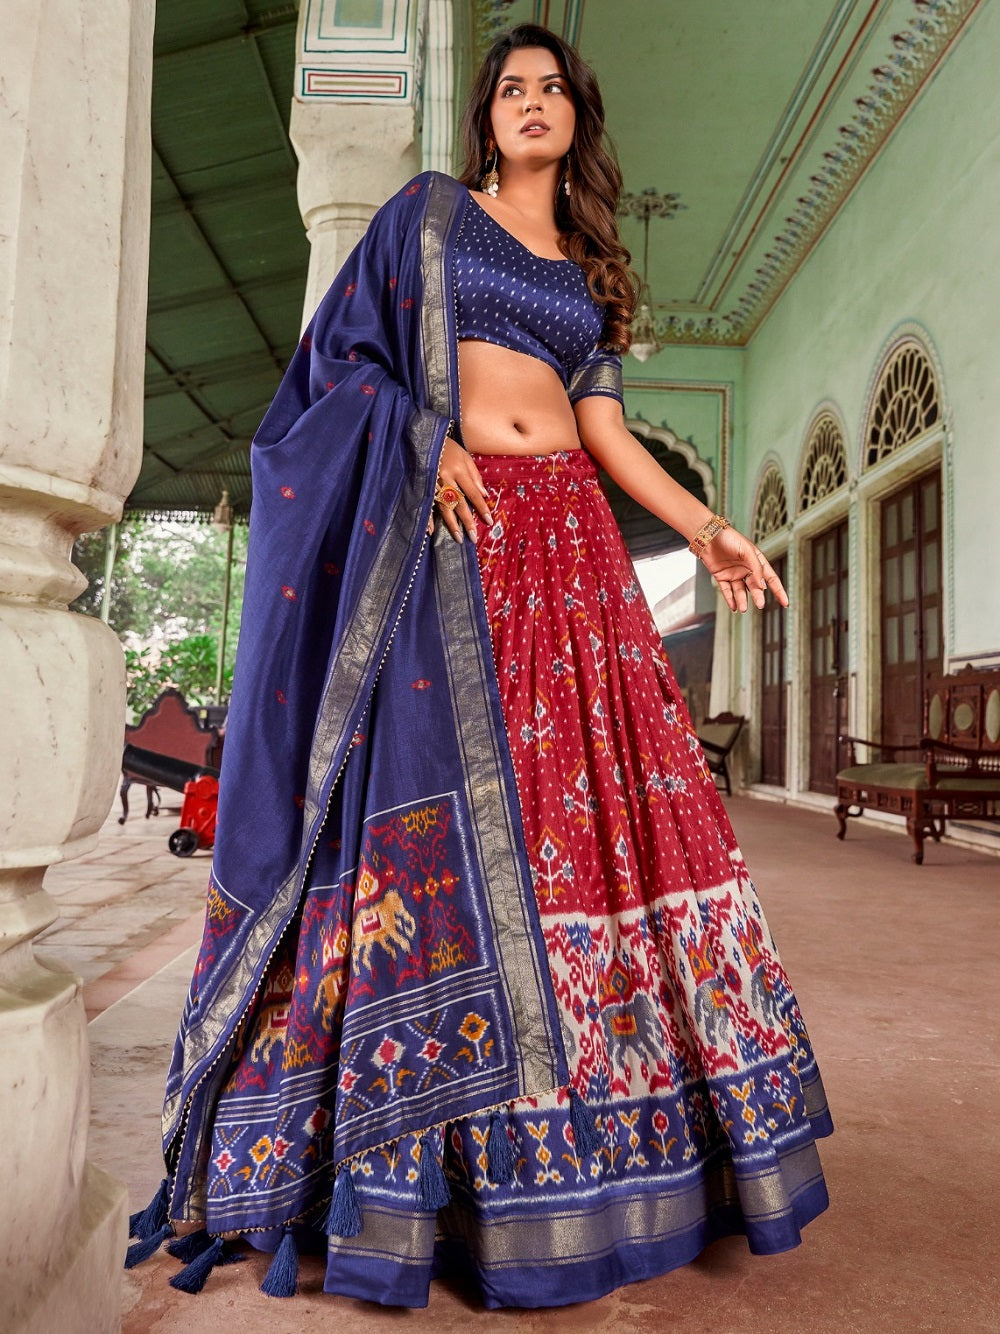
(85, 1295)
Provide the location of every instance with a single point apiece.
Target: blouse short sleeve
(600, 372)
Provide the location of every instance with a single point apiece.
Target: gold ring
(448, 497)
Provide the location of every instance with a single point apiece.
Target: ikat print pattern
(681, 1031)
(665, 973)
(376, 999)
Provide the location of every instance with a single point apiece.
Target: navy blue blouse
(507, 295)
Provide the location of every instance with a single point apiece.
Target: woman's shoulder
(437, 181)
(411, 200)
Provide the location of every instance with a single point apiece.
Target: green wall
(918, 243)
(689, 390)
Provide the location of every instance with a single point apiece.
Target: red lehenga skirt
(681, 1031)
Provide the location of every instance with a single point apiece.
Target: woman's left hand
(741, 570)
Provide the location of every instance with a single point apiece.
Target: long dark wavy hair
(586, 217)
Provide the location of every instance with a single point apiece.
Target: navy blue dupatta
(366, 758)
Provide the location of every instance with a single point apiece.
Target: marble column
(352, 157)
(355, 122)
(74, 215)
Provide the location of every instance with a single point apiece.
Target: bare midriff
(512, 403)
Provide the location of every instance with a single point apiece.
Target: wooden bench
(171, 727)
(956, 774)
(718, 736)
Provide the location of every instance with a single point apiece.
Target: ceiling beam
(205, 296)
(272, 99)
(186, 385)
(283, 16)
(247, 192)
(210, 247)
(203, 374)
(234, 438)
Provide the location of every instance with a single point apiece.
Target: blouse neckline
(545, 259)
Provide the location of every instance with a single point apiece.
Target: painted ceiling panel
(761, 116)
(168, 415)
(223, 327)
(250, 238)
(212, 102)
(184, 263)
(701, 117)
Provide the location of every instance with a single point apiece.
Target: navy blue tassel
(585, 1133)
(282, 1278)
(142, 1250)
(500, 1162)
(344, 1218)
(192, 1277)
(434, 1192)
(149, 1220)
(190, 1247)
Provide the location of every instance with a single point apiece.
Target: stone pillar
(351, 159)
(74, 214)
(355, 124)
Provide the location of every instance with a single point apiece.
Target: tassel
(586, 1136)
(142, 1250)
(500, 1161)
(149, 1220)
(434, 1192)
(344, 1218)
(282, 1278)
(190, 1247)
(192, 1277)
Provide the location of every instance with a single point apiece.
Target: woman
(485, 987)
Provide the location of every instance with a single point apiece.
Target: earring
(490, 184)
(567, 179)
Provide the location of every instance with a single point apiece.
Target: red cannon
(197, 827)
(200, 786)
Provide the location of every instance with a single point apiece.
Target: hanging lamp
(645, 340)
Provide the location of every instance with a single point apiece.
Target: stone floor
(895, 967)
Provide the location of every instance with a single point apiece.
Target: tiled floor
(895, 966)
(126, 909)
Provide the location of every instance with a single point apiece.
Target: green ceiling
(760, 115)
(228, 254)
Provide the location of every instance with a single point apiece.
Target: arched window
(770, 512)
(825, 467)
(906, 402)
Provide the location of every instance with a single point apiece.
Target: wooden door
(912, 642)
(772, 695)
(827, 656)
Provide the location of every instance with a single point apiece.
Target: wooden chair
(955, 769)
(718, 736)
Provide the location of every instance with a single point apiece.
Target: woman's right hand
(456, 468)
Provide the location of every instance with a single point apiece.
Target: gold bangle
(705, 533)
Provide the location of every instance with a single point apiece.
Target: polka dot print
(615, 795)
(507, 295)
(635, 866)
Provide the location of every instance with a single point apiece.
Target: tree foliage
(166, 603)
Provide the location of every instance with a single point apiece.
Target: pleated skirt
(682, 1033)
